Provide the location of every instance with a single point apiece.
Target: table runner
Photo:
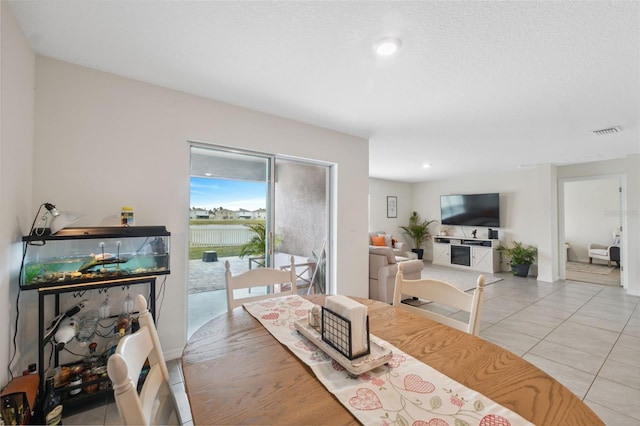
(405, 391)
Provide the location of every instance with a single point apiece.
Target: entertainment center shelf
(475, 254)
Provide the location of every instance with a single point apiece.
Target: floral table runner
(405, 391)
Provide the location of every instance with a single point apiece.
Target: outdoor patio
(209, 276)
(207, 297)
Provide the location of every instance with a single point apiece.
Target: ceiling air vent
(609, 131)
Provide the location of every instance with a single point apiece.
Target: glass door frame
(270, 221)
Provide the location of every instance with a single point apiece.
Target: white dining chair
(155, 404)
(442, 293)
(277, 282)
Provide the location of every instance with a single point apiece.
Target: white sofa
(389, 241)
(383, 266)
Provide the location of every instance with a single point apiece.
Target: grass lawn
(226, 251)
(196, 252)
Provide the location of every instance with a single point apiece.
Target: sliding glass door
(257, 210)
(301, 219)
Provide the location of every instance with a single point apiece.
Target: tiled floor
(587, 336)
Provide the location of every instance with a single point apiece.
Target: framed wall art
(392, 206)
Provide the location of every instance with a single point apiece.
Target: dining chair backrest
(155, 404)
(442, 293)
(281, 280)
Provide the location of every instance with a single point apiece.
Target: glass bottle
(52, 407)
(76, 379)
(124, 323)
(112, 344)
(105, 308)
(128, 304)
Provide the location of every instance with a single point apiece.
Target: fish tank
(80, 255)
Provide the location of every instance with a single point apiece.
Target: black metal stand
(69, 288)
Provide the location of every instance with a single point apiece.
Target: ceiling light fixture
(386, 46)
(609, 131)
(426, 165)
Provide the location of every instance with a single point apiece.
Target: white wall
(518, 201)
(104, 141)
(591, 211)
(379, 190)
(17, 69)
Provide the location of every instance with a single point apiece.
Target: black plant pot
(520, 270)
(419, 252)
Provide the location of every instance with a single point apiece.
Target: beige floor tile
(615, 396)
(611, 417)
(526, 327)
(577, 381)
(578, 359)
(93, 416)
(622, 372)
(505, 336)
(584, 338)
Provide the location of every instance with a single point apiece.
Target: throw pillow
(377, 241)
(387, 239)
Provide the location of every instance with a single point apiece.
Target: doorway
(254, 210)
(592, 213)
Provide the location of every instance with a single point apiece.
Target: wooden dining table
(236, 372)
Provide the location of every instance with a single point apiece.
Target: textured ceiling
(475, 86)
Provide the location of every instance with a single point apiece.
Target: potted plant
(257, 246)
(418, 231)
(519, 257)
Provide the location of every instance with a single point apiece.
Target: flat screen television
(470, 209)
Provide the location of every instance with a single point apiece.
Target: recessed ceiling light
(386, 46)
(426, 165)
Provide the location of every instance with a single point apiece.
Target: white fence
(219, 235)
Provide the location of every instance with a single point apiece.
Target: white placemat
(406, 391)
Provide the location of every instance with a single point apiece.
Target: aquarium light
(58, 220)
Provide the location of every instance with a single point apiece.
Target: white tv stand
(476, 254)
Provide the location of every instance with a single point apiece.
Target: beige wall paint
(103, 141)
(17, 70)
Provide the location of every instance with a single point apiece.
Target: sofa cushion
(378, 241)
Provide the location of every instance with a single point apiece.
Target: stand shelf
(475, 254)
(56, 291)
(75, 260)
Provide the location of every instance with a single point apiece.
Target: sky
(209, 193)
